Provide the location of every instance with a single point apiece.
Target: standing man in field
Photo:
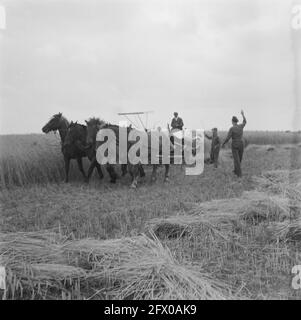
(215, 147)
(236, 134)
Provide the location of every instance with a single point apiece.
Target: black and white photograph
(150, 151)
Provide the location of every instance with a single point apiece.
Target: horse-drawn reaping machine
(136, 117)
(193, 138)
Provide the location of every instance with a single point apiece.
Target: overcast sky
(206, 59)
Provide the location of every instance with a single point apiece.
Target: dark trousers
(214, 156)
(237, 152)
(172, 140)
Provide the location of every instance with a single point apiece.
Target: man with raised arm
(236, 134)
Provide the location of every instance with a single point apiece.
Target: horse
(70, 146)
(94, 125)
(177, 144)
(77, 135)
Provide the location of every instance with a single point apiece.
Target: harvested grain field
(211, 236)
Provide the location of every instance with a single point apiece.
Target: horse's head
(57, 122)
(75, 133)
(93, 126)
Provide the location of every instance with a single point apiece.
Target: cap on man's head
(234, 119)
(214, 129)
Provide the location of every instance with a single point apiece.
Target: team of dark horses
(79, 141)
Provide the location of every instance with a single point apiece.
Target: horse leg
(81, 169)
(134, 172)
(166, 179)
(124, 169)
(67, 165)
(94, 163)
(98, 168)
(154, 173)
(141, 170)
(91, 168)
(112, 173)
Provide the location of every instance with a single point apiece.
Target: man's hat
(234, 119)
(175, 113)
(214, 129)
